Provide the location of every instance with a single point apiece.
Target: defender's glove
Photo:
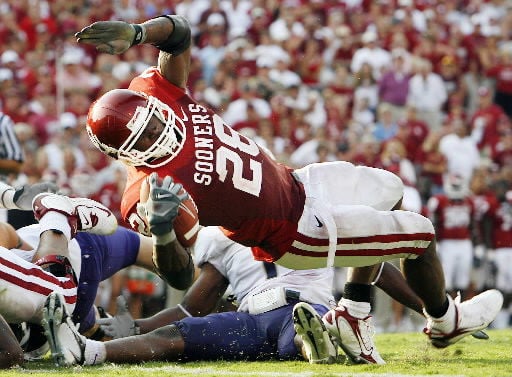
(24, 195)
(112, 37)
(163, 205)
(122, 324)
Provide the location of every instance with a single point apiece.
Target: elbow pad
(180, 38)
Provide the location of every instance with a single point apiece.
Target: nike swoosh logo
(184, 116)
(164, 196)
(319, 223)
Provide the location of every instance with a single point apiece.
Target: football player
(327, 214)
(262, 328)
(452, 214)
(73, 263)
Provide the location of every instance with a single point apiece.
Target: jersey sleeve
(211, 246)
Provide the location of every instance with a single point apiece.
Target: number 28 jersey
(233, 182)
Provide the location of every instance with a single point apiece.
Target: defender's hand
(111, 37)
(163, 203)
(24, 195)
(121, 325)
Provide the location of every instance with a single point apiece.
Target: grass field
(405, 354)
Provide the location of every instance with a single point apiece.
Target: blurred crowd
(422, 88)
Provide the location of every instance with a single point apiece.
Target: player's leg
(449, 320)
(69, 347)
(11, 353)
(24, 288)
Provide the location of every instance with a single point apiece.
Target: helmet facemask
(168, 144)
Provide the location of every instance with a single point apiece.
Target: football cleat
(67, 346)
(354, 335)
(94, 217)
(84, 215)
(464, 318)
(317, 343)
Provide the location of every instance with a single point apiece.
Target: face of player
(150, 135)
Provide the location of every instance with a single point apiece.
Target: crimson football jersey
(233, 182)
(453, 217)
(501, 213)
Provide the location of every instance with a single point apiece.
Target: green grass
(405, 354)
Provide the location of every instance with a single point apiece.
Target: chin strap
(57, 265)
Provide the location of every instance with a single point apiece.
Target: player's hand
(121, 325)
(24, 195)
(111, 37)
(163, 203)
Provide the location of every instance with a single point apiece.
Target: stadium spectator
(484, 122)
(394, 83)
(432, 166)
(371, 53)
(460, 150)
(385, 127)
(428, 94)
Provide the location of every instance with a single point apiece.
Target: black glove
(112, 37)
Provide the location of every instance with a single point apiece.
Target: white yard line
(182, 371)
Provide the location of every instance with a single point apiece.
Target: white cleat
(94, 217)
(67, 345)
(464, 318)
(316, 341)
(84, 215)
(354, 335)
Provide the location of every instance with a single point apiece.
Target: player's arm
(169, 33)
(171, 261)
(11, 353)
(201, 299)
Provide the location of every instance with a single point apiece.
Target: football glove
(111, 37)
(163, 204)
(122, 324)
(24, 195)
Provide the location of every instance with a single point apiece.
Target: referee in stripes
(11, 161)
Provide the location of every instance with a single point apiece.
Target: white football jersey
(248, 276)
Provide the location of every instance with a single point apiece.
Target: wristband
(164, 239)
(140, 34)
(136, 329)
(7, 198)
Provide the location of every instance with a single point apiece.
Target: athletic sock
(95, 352)
(356, 309)
(446, 322)
(55, 221)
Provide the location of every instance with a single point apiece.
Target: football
(186, 224)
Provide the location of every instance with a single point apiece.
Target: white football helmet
(455, 186)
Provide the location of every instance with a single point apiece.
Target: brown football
(186, 224)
